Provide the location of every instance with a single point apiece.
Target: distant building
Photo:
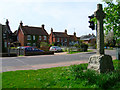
(32, 36)
(88, 39)
(60, 38)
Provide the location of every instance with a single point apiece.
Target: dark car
(31, 49)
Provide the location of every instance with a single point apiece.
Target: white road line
(21, 61)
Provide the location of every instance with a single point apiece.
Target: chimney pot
(7, 22)
(21, 23)
(51, 30)
(66, 31)
(43, 26)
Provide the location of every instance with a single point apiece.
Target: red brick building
(73, 39)
(32, 36)
(60, 38)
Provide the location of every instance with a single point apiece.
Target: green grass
(73, 52)
(62, 77)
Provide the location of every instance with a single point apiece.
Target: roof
(29, 30)
(72, 38)
(60, 34)
(6, 28)
(87, 37)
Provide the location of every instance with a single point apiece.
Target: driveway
(47, 61)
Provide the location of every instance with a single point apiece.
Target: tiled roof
(29, 30)
(60, 34)
(72, 38)
(87, 37)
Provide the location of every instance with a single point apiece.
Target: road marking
(21, 61)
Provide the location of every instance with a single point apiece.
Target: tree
(112, 19)
(109, 39)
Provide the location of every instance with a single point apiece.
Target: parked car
(31, 49)
(55, 48)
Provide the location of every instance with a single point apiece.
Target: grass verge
(73, 52)
(62, 77)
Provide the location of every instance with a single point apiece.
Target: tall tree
(112, 19)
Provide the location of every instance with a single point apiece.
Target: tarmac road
(46, 61)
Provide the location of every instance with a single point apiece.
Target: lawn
(73, 52)
(62, 77)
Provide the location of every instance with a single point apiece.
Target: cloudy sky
(57, 14)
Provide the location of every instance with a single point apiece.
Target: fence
(18, 51)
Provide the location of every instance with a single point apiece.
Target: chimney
(7, 22)
(51, 30)
(43, 26)
(66, 31)
(74, 33)
(21, 23)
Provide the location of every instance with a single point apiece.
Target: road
(28, 62)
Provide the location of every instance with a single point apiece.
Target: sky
(57, 14)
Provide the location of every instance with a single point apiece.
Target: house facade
(60, 38)
(6, 36)
(32, 36)
(73, 39)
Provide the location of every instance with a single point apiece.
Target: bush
(43, 44)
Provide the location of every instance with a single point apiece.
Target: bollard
(118, 53)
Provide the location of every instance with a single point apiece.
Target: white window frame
(40, 37)
(58, 39)
(28, 44)
(28, 37)
(5, 44)
(34, 44)
(45, 38)
(61, 39)
(33, 37)
(65, 39)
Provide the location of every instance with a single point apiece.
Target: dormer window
(28, 37)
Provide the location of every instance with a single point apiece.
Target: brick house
(32, 36)
(73, 39)
(6, 36)
(60, 38)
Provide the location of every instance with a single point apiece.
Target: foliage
(109, 40)
(83, 46)
(112, 19)
(44, 44)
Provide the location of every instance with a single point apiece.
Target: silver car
(55, 48)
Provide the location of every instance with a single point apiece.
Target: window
(40, 38)
(57, 39)
(5, 44)
(4, 36)
(34, 44)
(61, 39)
(65, 39)
(28, 44)
(28, 37)
(45, 37)
(34, 37)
